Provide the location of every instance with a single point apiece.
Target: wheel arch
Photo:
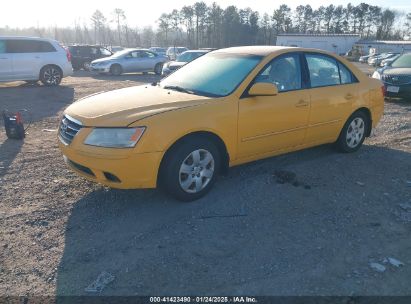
(367, 113)
(51, 65)
(213, 137)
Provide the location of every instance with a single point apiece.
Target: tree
(200, 9)
(119, 16)
(98, 21)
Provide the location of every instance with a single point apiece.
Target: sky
(44, 13)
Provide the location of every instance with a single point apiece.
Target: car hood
(396, 71)
(105, 59)
(122, 107)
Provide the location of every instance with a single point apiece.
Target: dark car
(83, 55)
(396, 77)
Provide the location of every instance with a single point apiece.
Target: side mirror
(263, 89)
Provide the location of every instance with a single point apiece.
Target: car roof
(26, 38)
(259, 50)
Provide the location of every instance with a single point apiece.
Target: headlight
(114, 137)
(376, 75)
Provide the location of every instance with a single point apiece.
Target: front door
(273, 123)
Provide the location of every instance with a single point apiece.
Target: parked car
(396, 77)
(159, 50)
(376, 61)
(226, 108)
(364, 59)
(181, 60)
(33, 59)
(83, 55)
(390, 60)
(174, 51)
(129, 61)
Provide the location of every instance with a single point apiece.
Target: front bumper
(123, 171)
(98, 69)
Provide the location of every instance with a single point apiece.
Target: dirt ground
(306, 223)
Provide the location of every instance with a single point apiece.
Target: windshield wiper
(179, 89)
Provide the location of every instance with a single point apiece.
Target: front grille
(396, 79)
(69, 127)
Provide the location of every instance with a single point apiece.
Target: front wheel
(51, 75)
(353, 133)
(190, 169)
(116, 70)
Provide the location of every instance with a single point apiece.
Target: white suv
(33, 59)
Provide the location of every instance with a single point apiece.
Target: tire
(158, 68)
(51, 75)
(116, 70)
(190, 169)
(353, 133)
(86, 65)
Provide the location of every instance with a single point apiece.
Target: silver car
(129, 61)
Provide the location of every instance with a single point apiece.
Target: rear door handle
(302, 103)
(349, 96)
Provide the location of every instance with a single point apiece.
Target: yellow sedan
(226, 108)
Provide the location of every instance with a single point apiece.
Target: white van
(33, 59)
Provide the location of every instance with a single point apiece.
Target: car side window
(23, 46)
(2, 46)
(133, 55)
(346, 76)
(323, 70)
(284, 72)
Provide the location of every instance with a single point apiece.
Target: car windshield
(404, 61)
(188, 56)
(120, 53)
(217, 74)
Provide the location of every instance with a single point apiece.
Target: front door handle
(302, 103)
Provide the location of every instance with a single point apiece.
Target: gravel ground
(305, 223)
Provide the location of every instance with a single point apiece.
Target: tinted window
(323, 70)
(29, 46)
(284, 72)
(2, 46)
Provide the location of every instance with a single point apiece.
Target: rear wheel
(353, 133)
(190, 169)
(51, 75)
(86, 66)
(158, 68)
(116, 70)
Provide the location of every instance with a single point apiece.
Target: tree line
(201, 25)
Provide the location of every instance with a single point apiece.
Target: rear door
(27, 58)
(6, 66)
(334, 89)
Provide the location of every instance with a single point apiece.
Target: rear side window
(323, 70)
(327, 71)
(346, 75)
(29, 46)
(2, 46)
